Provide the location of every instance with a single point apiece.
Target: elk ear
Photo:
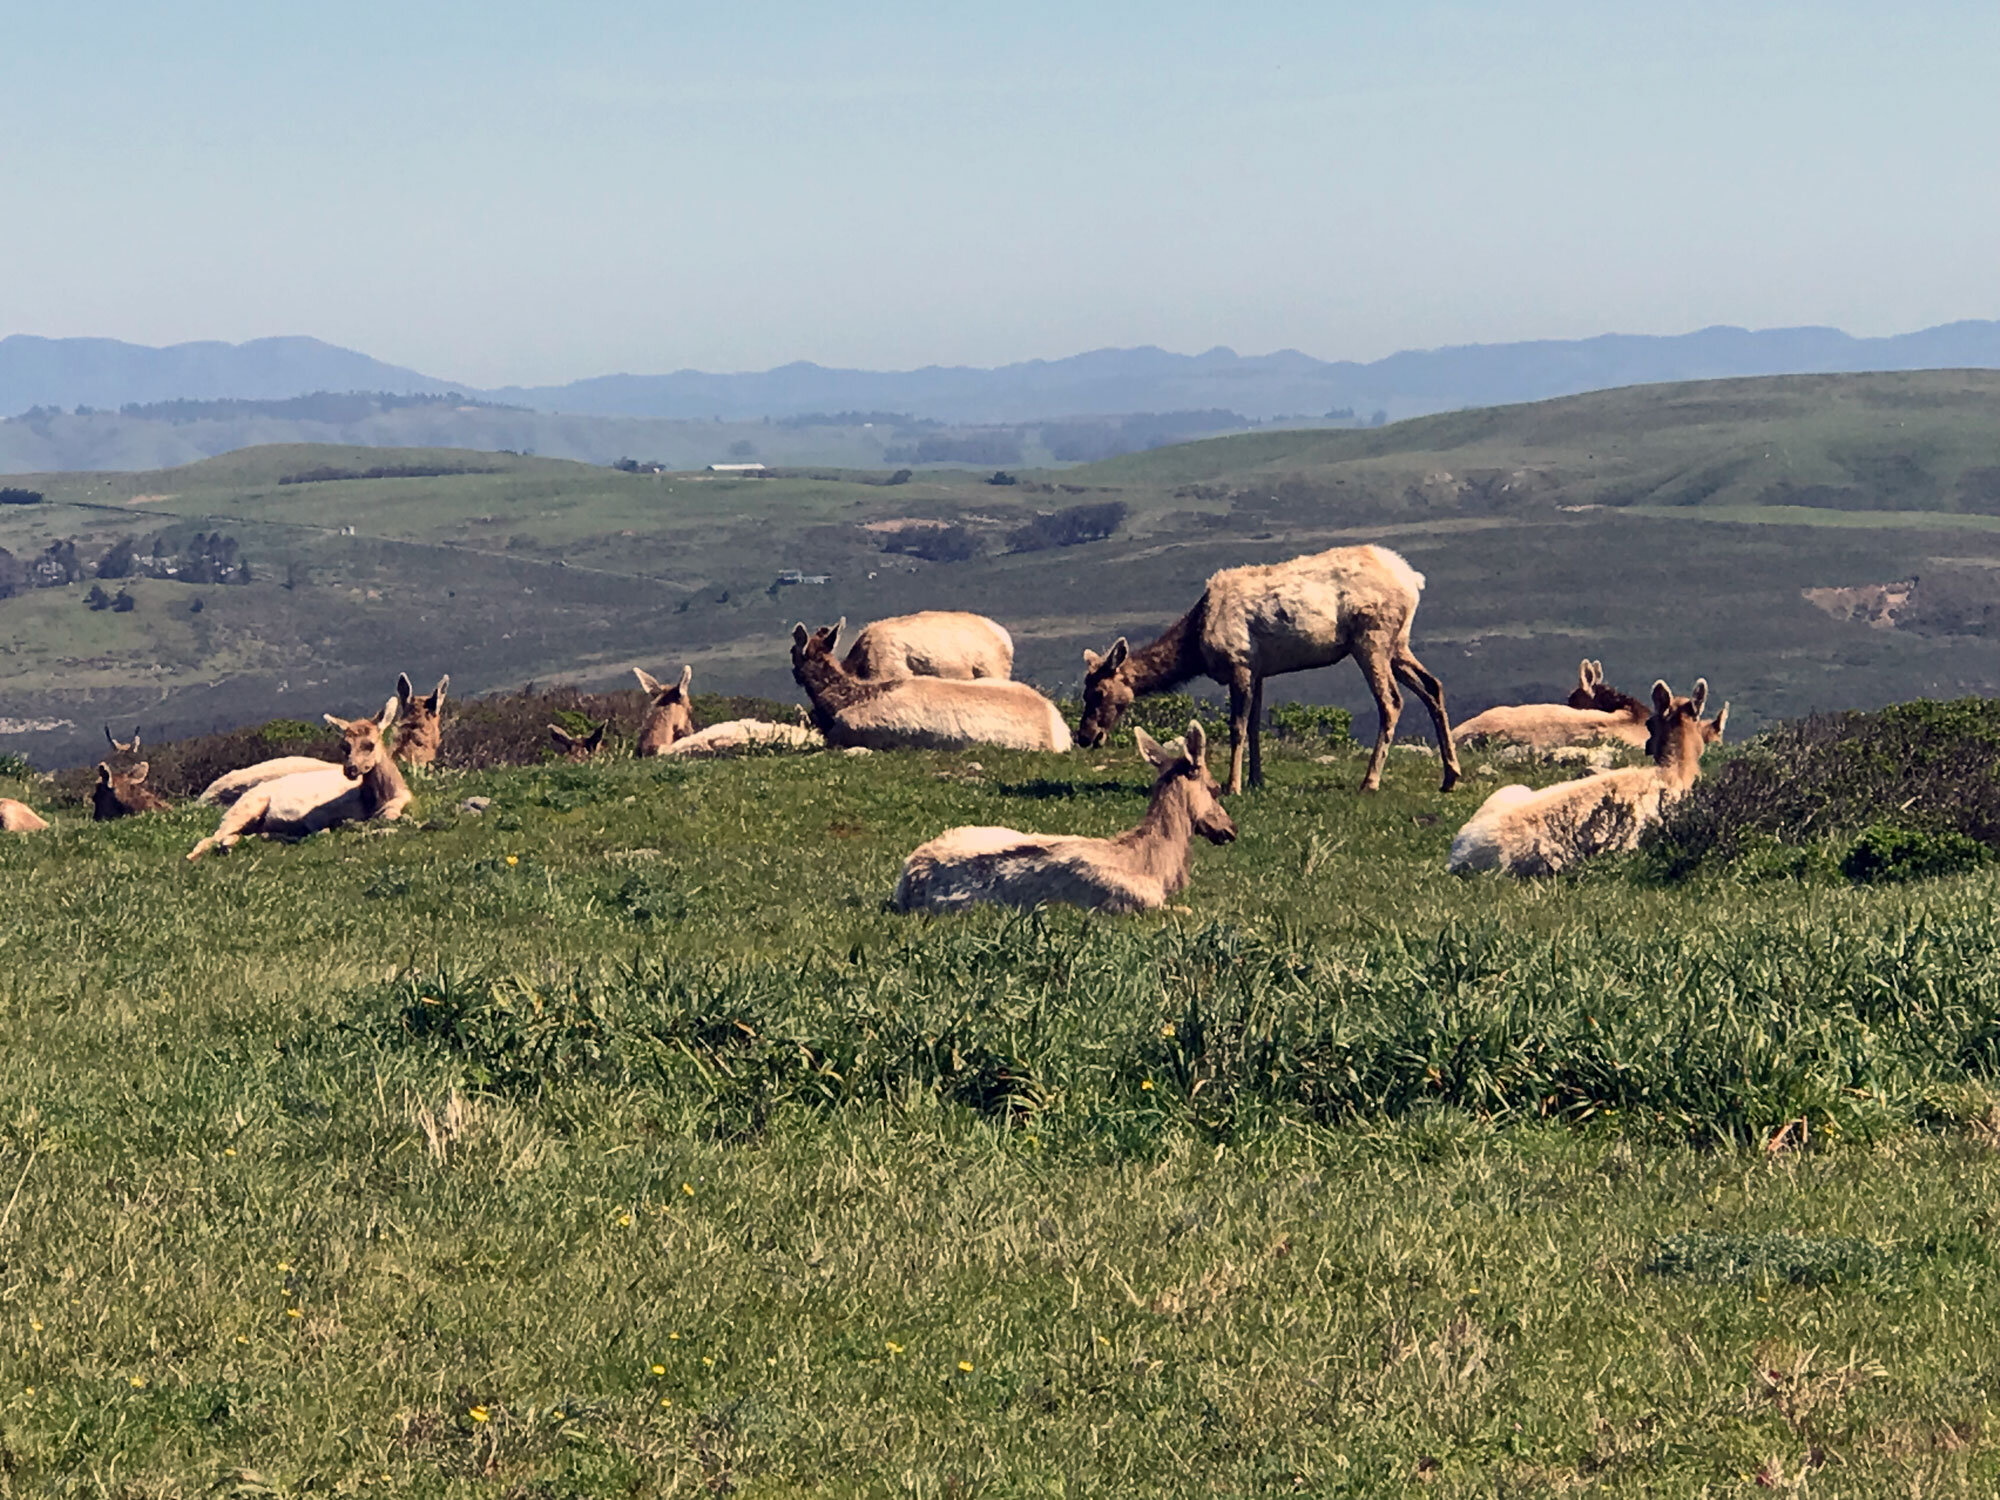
(687, 678)
(436, 699)
(833, 634)
(1583, 674)
(340, 724)
(561, 735)
(112, 740)
(1721, 723)
(1700, 695)
(596, 736)
(390, 711)
(1197, 744)
(799, 636)
(1663, 697)
(1119, 651)
(138, 772)
(405, 691)
(647, 680)
(1090, 661)
(103, 772)
(1151, 748)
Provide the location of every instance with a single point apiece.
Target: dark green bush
(1886, 852)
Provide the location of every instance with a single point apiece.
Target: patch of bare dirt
(1876, 605)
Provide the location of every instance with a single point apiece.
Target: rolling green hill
(1669, 530)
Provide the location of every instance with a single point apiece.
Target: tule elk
(122, 794)
(932, 643)
(1136, 871)
(1257, 622)
(919, 713)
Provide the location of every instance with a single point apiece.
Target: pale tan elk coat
(919, 713)
(932, 643)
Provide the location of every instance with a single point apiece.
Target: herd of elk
(942, 679)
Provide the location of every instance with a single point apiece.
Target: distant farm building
(735, 468)
(793, 575)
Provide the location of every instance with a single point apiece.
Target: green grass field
(619, 1140)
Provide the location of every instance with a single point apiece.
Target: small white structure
(735, 468)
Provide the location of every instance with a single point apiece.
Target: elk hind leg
(1374, 666)
(1430, 692)
(1256, 731)
(1240, 685)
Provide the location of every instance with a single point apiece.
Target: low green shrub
(1886, 852)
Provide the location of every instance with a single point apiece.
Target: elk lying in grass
(669, 715)
(1527, 832)
(736, 736)
(419, 721)
(1594, 713)
(932, 643)
(578, 746)
(1257, 622)
(121, 794)
(18, 817)
(366, 784)
(919, 713)
(1136, 871)
(230, 785)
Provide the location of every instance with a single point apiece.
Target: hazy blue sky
(533, 192)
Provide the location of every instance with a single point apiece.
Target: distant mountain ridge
(107, 373)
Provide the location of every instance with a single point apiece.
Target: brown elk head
(816, 644)
(1589, 676)
(1676, 733)
(1183, 768)
(1106, 694)
(120, 794)
(578, 746)
(422, 723)
(122, 747)
(669, 711)
(362, 747)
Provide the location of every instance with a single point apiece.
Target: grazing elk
(1257, 622)
(366, 784)
(919, 713)
(419, 722)
(1594, 712)
(121, 794)
(669, 714)
(932, 643)
(578, 746)
(1528, 832)
(18, 817)
(1136, 871)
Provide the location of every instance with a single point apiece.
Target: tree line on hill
(207, 557)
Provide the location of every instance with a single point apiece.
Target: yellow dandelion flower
(284, 1265)
(708, 1359)
(294, 1312)
(138, 1384)
(965, 1365)
(478, 1413)
(559, 1416)
(513, 860)
(892, 1346)
(659, 1369)
(31, 1390)
(688, 1189)
(1147, 1084)
(241, 1339)
(666, 1400)
(673, 1335)
(624, 1221)
(1167, 1031)
(36, 1324)
(228, 1150)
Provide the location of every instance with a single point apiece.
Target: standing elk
(366, 784)
(1260, 621)
(919, 713)
(1136, 871)
(932, 643)
(1527, 832)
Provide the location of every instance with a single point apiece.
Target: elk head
(1183, 768)
(120, 794)
(361, 741)
(669, 711)
(423, 727)
(1106, 694)
(578, 746)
